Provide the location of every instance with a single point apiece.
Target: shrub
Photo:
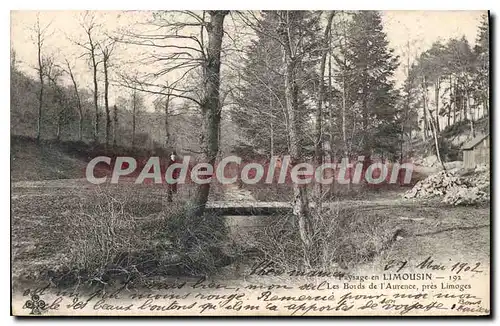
(342, 237)
(112, 241)
(200, 242)
(96, 240)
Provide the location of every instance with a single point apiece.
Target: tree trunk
(321, 90)
(58, 129)
(424, 99)
(455, 106)
(40, 94)
(436, 143)
(167, 129)
(300, 200)
(464, 109)
(331, 117)
(106, 102)
(465, 106)
(271, 128)
(365, 121)
(321, 96)
(78, 102)
(96, 104)
(115, 123)
(402, 140)
(210, 104)
(451, 102)
(469, 111)
(486, 109)
(134, 110)
(344, 120)
(436, 99)
(344, 106)
(59, 102)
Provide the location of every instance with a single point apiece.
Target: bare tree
(69, 71)
(53, 72)
(39, 39)
(163, 112)
(198, 53)
(107, 48)
(90, 45)
(210, 103)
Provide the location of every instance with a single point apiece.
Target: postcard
(250, 163)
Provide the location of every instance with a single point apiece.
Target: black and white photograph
(250, 163)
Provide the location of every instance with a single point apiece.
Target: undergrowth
(109, 243)
(341, 237)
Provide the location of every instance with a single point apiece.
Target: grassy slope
(31, 161)
(49, 160)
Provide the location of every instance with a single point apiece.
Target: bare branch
(164, 90)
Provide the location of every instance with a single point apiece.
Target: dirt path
(65, 183)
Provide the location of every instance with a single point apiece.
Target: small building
(476, 151)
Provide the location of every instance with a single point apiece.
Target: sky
(418, 28)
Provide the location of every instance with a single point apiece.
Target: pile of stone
(437, 184)
(453, 187)
(481, 177)
(465, 196)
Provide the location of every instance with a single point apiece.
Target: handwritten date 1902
(430, 264)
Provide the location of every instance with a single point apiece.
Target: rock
(465, 196)
(482, 168)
